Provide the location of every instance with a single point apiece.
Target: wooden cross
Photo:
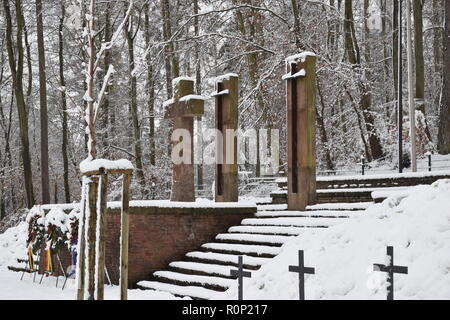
(390, 269)
(226, 110)
(182, 109)
(240, 274)
(301, 270)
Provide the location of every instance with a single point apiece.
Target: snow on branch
(103, 91)
(108, 45)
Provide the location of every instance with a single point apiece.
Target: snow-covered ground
(439, 162)
(13, 246)
(418, 226)
(12, 288)
(415, 223)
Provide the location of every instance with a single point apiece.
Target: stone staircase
(206, 272)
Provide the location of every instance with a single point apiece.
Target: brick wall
(159, 236)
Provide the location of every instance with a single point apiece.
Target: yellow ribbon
(49, 266)
(31, 259)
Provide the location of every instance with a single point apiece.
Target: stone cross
(182, 109)
(301, 130)
(226, 95)
(390, 269)
(240, 274)
(301, 270)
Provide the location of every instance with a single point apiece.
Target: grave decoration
(390, 269)
(240, 274)
(301, 270)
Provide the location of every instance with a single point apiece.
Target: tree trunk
(150, 89)
(354, 57)
(395, 29)
(444, 110)
(322, 129)
(90, 82)
(171, 62)
(65, 139)
(198, 89)
(17, 76)
(420, 63)
(45, 183)
(130, 35)
(296, 26)
(105, 106)
(437, 35)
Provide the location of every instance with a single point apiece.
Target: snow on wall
(418, 227)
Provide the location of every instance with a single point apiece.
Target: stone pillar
(301, 130)
(226, 95)
(182, 109)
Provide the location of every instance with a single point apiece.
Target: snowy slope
(13, 245)
(418, 227)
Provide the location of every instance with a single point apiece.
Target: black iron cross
(240, 274)
(390, 269)
(301, 270)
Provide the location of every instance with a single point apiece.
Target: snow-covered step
(252, 250)
(194, 292)
(316, 213)
(340, 206)
(208, 282)
(252, 238)
(273, 207)
(226, 259)
(272, 230)
(197, 268)
(295, 222)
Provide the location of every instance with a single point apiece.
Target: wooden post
(91, 238)
(101, 236)
(227, 93)
(124, 237)
(301, 116)
(81, 247)
(182, 109)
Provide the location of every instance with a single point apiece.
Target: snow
(193, 291)
(242, 248)
(193, 97)
(203, 267)
(221, 93)
(391, 175)
(292, 222)
(199, 203)
(340, 206)
(269, 239)
(195, 278)
(179, 79)
(58, 218)
(418, 227)
(267, 230)
(13, 246)
(15, 289)
(226, 77)
(95, 165)
(311, 213)
(168, 102)
(300, 56)
(247, 260)
(301, 73)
